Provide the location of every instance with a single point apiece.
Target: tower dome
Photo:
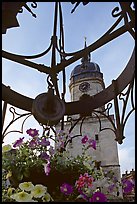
(85, 79)
(86, 69)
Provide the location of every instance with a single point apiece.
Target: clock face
(84, 86)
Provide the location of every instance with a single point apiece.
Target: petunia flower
(33, 143)
(6, 148)
(84, 181)
(21, 197)
(127, 186)
(51, 150)
(32, 132)
(66, 188)
(98, 197)
(111, 188)
(47, 197)
(92, 143)
(47, 169)
(44, 155)
(27, 186)
(10, 191)
(84, 139)
(18, 142)
(38, 191)
(44, 142)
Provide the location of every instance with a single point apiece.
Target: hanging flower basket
(53, 175)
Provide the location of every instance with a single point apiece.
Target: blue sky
(33, 36)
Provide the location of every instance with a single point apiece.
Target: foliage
(35, 171)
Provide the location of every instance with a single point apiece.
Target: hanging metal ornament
(48, 108)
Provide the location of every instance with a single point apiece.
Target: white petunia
(6, 148)
(27, 186)
(38, 191)
(21, 197)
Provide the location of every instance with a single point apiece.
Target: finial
(87, 57)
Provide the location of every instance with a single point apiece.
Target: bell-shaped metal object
(48, 108)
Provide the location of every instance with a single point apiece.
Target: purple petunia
(127, 186)
(66, 188)
(92, 143)
(84, 139)
(33, 143)
(115, 179)
(44, 155)
(44, 142)
(18, 142)
(32, 132)
(51, 150)
(98, 197)
(111, 188)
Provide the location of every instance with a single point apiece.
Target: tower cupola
(86, 69)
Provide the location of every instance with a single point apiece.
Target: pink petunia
(84, 181)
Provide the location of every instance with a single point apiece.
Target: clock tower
(87, 80)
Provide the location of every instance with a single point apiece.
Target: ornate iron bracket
(15, 116)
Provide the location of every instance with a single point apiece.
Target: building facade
(86, 80)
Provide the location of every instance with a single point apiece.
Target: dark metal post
(4, 113)
(119, 135)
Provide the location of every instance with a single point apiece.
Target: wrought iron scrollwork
(73, 122)
(126, 13)
(15, 116)
(116, 12)
(121, 116)
(76, 5)
(125, 97)
(106, 114)
(47, 132)
(33, 5)
(21, 10)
